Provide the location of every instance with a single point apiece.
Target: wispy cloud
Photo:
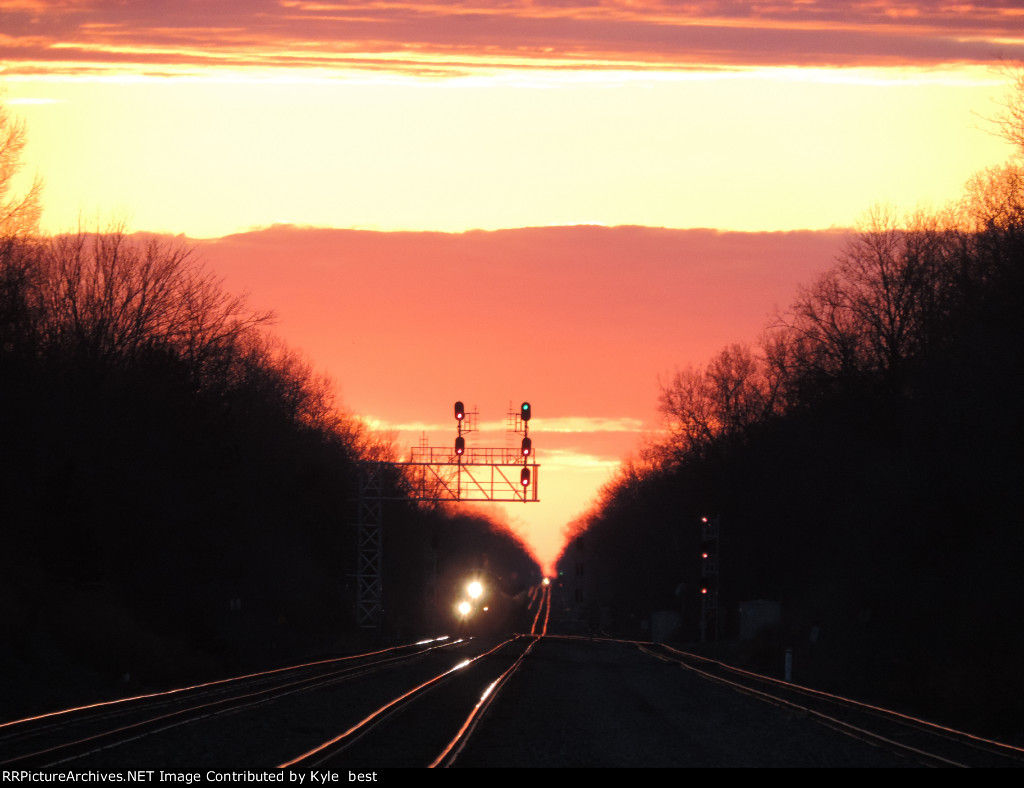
(590, 424)
(567, 424)
(565, 459)
(91, 37)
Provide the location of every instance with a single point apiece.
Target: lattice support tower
(369, 538)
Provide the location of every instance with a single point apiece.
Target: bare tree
(719, 401)
(817, 341)
(19, 220)
(890, 275)
(994, 200)
(687, 411)
(116, 297)
(19, 215)
(871, 314)
(992, 209)
(1008, 123)
(739, 388)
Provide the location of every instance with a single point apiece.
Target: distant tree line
(864, 458)
(176, 484)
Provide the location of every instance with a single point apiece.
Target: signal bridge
(485, 474)
(435, 474)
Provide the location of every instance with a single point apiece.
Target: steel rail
(330, 749)
(242, 694)
(1009, 754)
(455, 747)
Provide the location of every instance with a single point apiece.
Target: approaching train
(481, 606)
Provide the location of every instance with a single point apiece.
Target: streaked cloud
(429, 39)
(570, 424)
(585, 424)
(577, 461)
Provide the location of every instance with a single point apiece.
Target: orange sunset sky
(495, 201)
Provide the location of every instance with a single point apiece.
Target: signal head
(524, 411)
(524, 478)
(460, 411)
(527, 447)
(460, 446)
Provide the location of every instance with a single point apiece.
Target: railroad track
(68, 735)
(437, 718)
(430, 723)
(437, 715)
(919, 741)
(441, 687)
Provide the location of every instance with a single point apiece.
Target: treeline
(863, 459)
(177, 486)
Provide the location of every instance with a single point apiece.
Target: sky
(502, 200)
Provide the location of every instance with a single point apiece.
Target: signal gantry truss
(495, 475)
(434, 474)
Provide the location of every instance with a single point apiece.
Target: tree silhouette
(865, 458)
(19, 215)
(111, 298)
(715, 404)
